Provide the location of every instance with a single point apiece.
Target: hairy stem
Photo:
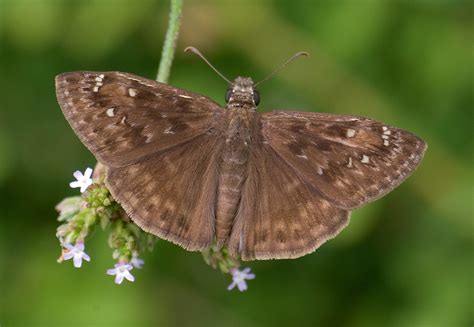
(171, 37)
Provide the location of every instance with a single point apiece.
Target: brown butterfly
(268, 185)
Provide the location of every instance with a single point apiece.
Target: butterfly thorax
(241, 117)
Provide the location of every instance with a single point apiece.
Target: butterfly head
(242, 91)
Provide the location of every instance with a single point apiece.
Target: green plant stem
(171, 38)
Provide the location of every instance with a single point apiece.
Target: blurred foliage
(405, 260)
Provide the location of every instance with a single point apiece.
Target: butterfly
(269, 185)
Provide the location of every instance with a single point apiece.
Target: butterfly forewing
(280, 216)
(121, 117)
(349, 160)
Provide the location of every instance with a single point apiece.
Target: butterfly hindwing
(349, 160)
(172, 194)
(279, 215)
(121, 117)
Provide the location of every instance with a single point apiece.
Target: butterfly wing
(121, 117)
(349, 160)
(279, 215)
(172, 193)
(160, 143)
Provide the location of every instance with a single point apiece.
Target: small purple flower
(121, 271)
(239, 277)
(83, 181)
(137, 262)
(76, 252)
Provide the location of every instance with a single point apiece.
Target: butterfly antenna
(293, 57)
(198, 53)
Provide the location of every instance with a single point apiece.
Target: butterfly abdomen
(233, 170)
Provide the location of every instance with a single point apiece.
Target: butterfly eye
(228, 93)
(256, 97)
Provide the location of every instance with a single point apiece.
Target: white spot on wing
(98, 82)
(320, 171)
(110, 112)
(350, 133)
(365, 159)
(349, 165)
(168, 130)
(302, 156)
(132, 92)
(385, 136)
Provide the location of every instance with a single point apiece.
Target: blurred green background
(405, 260)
